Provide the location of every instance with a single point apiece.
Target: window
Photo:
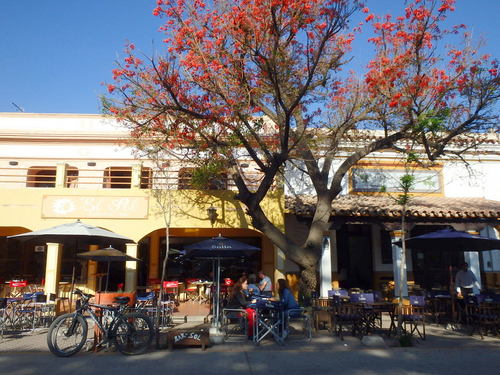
(117, 178)
(72, 177)
(186, 176)
(41, 177)
(218, 182)
(388, 180)
(146, 178)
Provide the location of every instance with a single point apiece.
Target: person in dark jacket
(239, 300)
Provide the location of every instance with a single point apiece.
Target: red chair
(17, 288)
(172, 290)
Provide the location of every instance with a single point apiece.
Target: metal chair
(234, 323)
(294, 316)
(17, 288)
(27, 314)
(3, 315)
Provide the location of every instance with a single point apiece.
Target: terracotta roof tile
(383, 206)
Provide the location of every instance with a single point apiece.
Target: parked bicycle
(131, 332)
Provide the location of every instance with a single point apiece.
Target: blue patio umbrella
(451, 240)
(215, 249)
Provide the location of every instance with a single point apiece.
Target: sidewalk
(437, 338)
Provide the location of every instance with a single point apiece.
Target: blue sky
(54, 54)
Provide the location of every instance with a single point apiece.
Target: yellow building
(57, 168)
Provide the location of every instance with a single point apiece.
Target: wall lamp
(212, 214)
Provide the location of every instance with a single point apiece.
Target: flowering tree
(263, 76)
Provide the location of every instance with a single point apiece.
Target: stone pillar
(131, 269)
(397, 253)
(61, 169)
(136, 176)
(325, 268)
(154, 256)
(91, 272)
(53, 268)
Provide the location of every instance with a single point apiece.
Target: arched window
(41, 177)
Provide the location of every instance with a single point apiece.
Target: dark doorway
(355, 256)
(431, 269)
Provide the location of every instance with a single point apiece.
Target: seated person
(239, 300)
(286, 296)
(253, 289)
(265, 285)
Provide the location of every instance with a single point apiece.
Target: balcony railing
(110, 178)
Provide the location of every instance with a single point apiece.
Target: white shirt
(465, 279)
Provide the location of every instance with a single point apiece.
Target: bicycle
(131, 332)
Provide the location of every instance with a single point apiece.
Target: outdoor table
(371, 312)
(201, 285)
(269, 321)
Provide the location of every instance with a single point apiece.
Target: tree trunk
(308, 283)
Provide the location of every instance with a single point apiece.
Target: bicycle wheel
(133, 333)
(67, 335)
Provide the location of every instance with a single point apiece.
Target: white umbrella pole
(218, 294)
(107, 277)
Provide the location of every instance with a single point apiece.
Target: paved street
(444, 352)
(287, 362)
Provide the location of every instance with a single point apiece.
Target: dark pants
(466, 291)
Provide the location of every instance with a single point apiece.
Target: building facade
(57, 168)
(366, 218)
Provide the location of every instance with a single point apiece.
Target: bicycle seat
(122, 300)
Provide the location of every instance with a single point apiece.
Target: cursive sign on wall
(92, 207)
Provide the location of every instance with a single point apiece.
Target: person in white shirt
(465, 281)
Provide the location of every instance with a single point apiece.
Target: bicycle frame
(86, 307)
